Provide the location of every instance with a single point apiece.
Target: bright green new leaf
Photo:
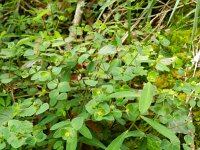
(146, 97)
(108, 50)
(42, 108)
(162, 130)
(117, 142)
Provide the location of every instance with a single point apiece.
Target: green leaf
(117, 142)
(25, 40)
(48, 119)
(108, 50)
(5, 114)
(62, 96)
(135, 134)
(162, 130)
(132, 111)
(82, 58)
(64, 86)
(53, 97)
(29, 52)
(146, 97)
(108, 3)
(72, 144)
(28, 111)
(91, 82)
(2, 145)
(77, 122)
(56, 70)
(52, 84)
(93, 142)
(165, 42)
(54, 94)
(6, 80)
(124, 94)
(42, 108)
(85, 132)
(58, 42)
(41, 14)
(60, 125)
(162, 67)
(153, 142)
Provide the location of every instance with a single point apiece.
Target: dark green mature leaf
(162, 130)
(117, 142)
(93, 142)
(146, 97)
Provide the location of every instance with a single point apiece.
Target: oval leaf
(146, 97)
(42, 108)
(60, 125)
(77, 122)
(107, 50)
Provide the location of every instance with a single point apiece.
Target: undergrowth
(91, 75)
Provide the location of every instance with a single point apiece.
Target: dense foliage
(125, 77)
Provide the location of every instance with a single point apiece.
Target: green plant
(95, 89)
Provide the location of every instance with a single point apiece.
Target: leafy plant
(102, 82)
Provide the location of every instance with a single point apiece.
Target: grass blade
(173, 11)
(195, 23)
